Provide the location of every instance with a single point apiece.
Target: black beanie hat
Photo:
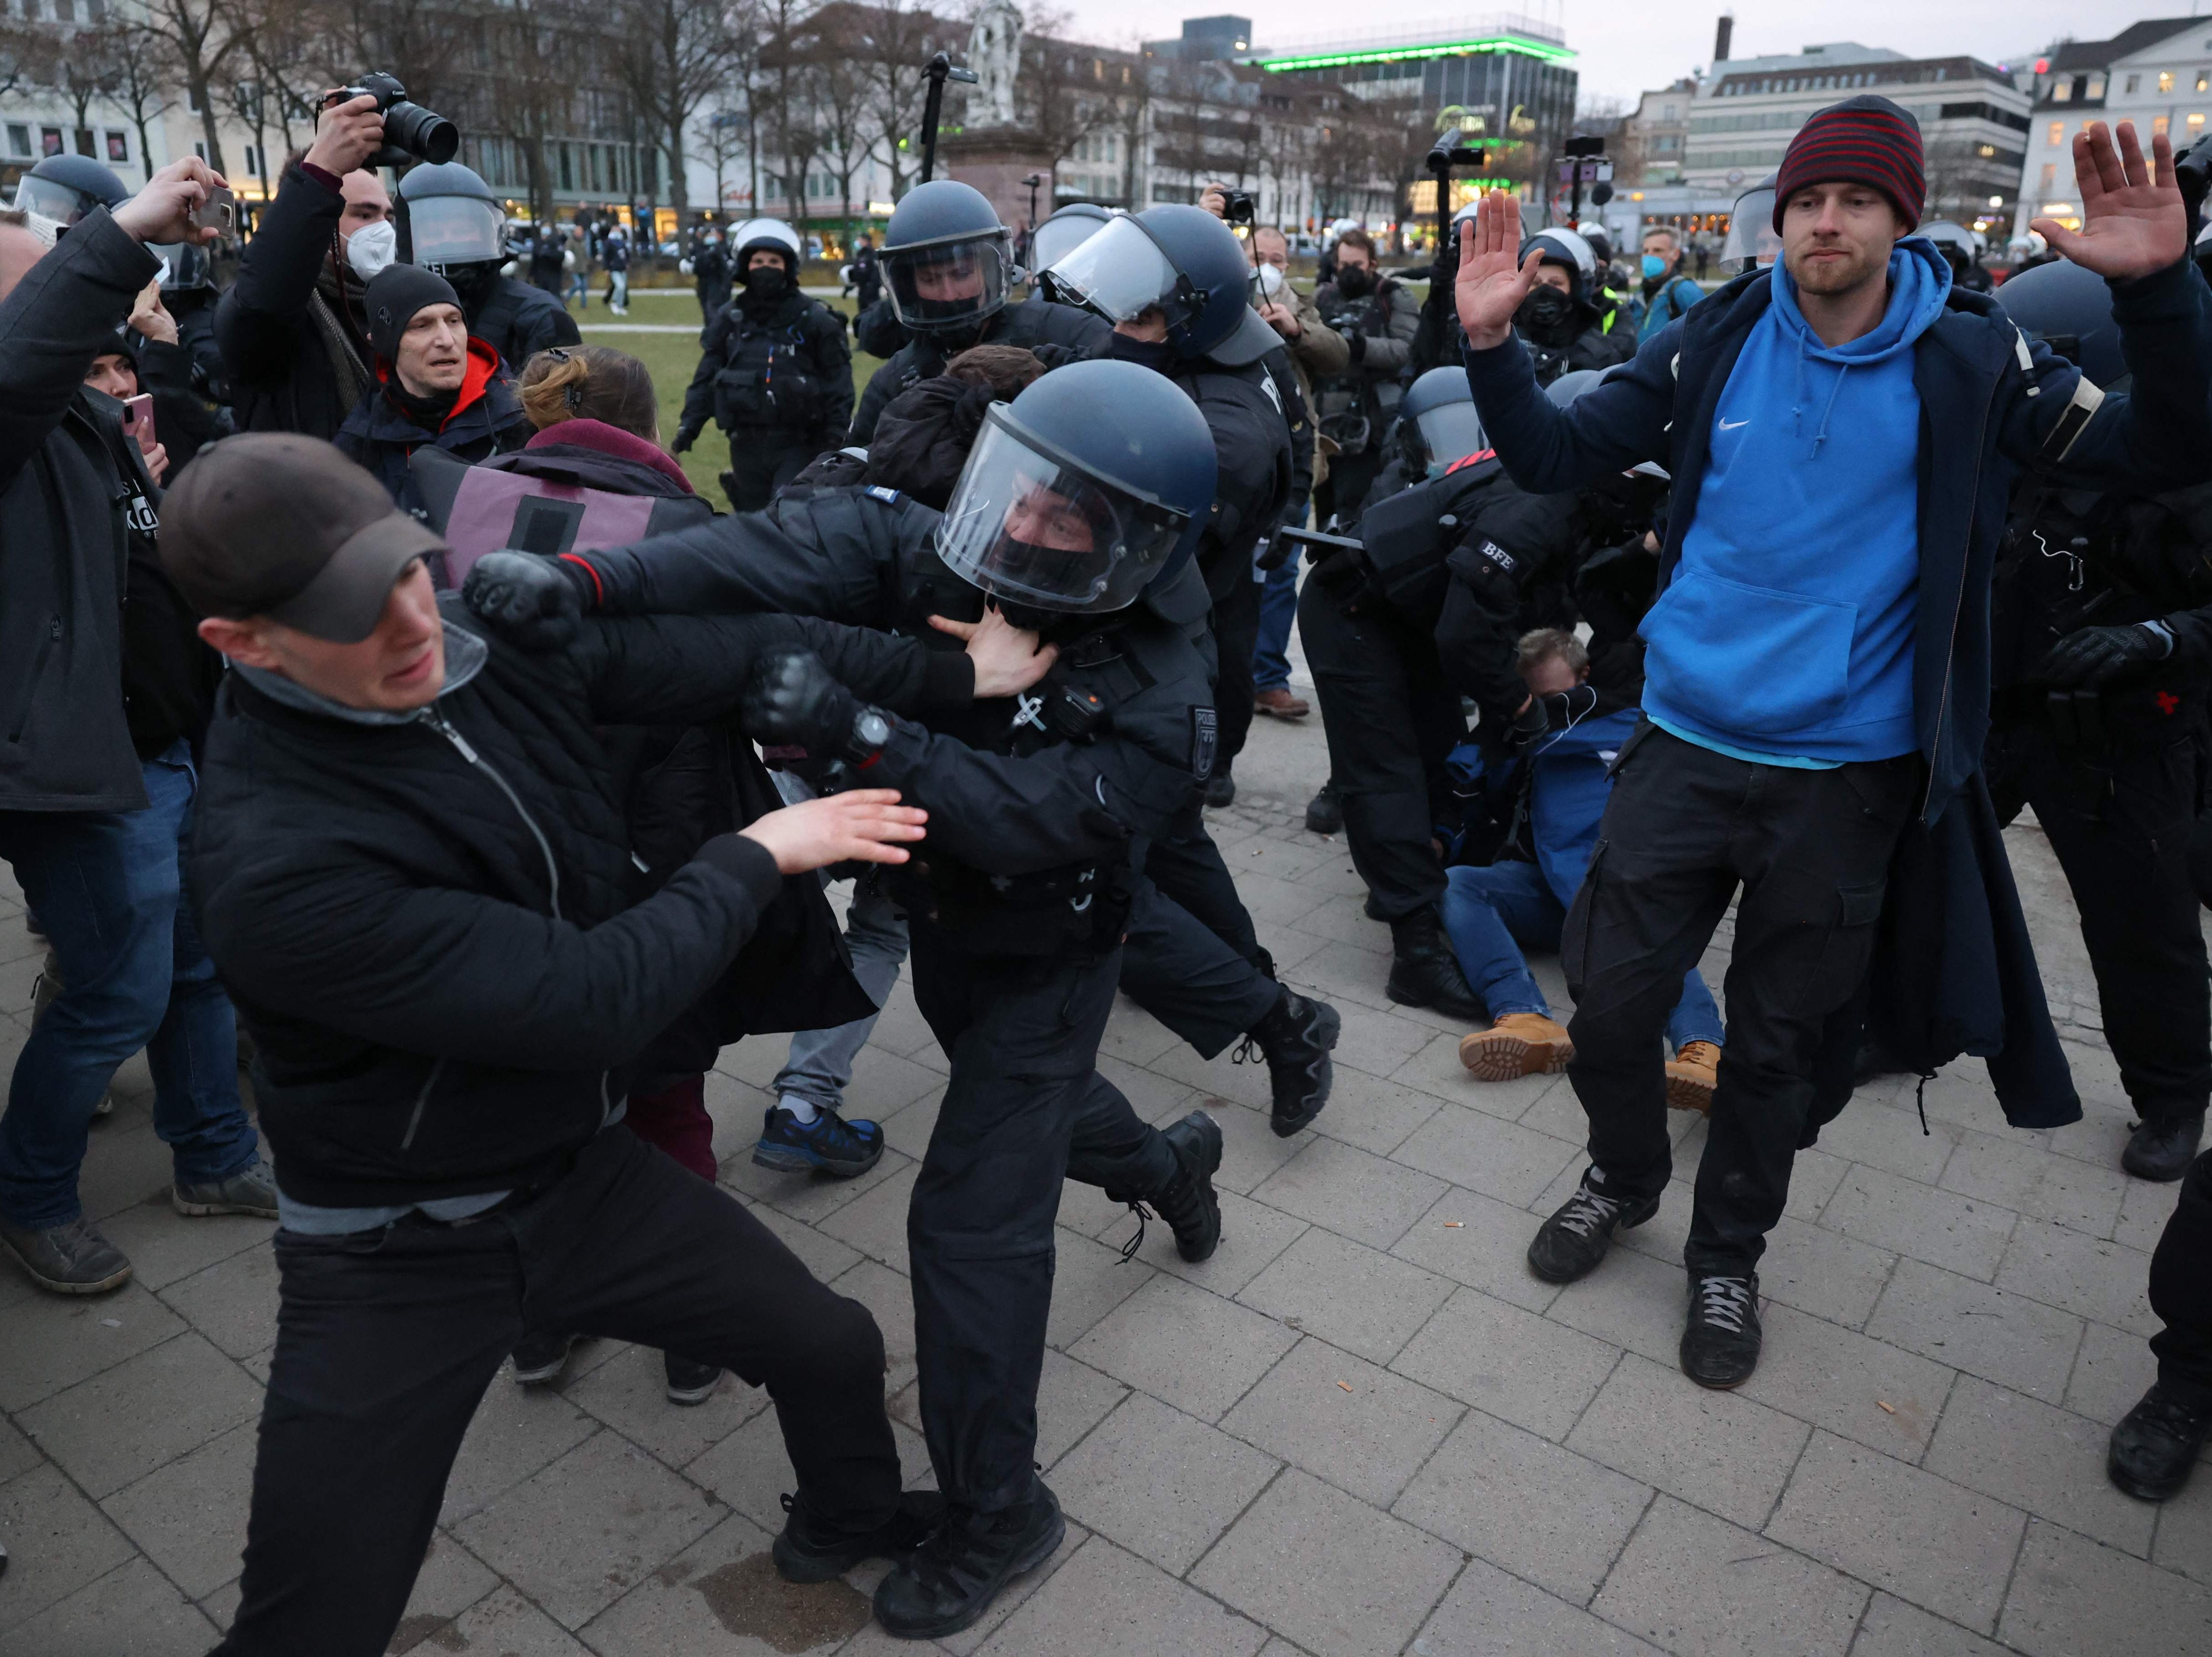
(1863, 140)
(394, 294)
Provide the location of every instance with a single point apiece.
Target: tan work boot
(1518, 1044)
(1691, 1075)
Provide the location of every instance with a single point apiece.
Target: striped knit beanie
(1864, 140)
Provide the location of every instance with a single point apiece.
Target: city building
(2157, 74)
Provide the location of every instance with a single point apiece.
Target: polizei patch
(1204, 737)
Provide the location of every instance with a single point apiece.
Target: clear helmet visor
(1030, 526)
(456, 230)
(1056, 238)
(1752, 237)
(184, 265)
(1450, 432)
(949, 283)
(1119, 273)
(51, 200)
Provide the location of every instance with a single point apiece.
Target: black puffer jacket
(293, 362)
(63, 537)
(435, 931)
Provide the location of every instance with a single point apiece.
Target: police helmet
(64, 188)
(1944, 234)
(765, 236)
(1091, 486)
(1179, 260)
(1438, 412)
(452, 218)
(1567, 250)
(1061, 234)
(1570, 385)
(1751, 238)
(185, 267)
(1600, 240)
(2068, 308)
(947, 260)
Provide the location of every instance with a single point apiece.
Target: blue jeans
(1493, 913)
(1278, 608)
(108, 892)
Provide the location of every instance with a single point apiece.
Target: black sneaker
(2156, 1446)
(1720, 1346)
(689, 1382)
(539, 1359)
(829, 1144)
(2162, 1150)
(952, 1578)
(1295, 1038)
(1325, 815)
(1221, 788)
(1572, 1241)
(808, 1550)
(70, 1259)
(1423, 972)
(1188, 1204)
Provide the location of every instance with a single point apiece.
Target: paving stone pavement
(1363, 1427)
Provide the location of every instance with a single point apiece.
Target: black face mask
(766, 282)
(1154, 354)
(1355, 281)
(1545, 314)
(473, 284)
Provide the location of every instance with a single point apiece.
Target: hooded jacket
(486, 419)
(1992, 404)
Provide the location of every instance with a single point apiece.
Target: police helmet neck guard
(1439, 413)
(1090, 487)
(945, 235)
(1179, 260)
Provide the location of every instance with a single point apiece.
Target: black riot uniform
(948, 269)
(774, 372)
(1427, 607)
(1077, 508)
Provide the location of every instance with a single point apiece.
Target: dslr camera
(1236, 206)
(410, 132)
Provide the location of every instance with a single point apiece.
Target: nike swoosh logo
(1738, 426)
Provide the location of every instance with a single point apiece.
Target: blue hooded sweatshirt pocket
(1795, 648)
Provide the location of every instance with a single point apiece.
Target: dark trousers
(762, 460)
(1235, 637)
(1192, 959)
(386, 1339)
(1025, 1109)
(2181, 1288)
(2121, 822)
(1685, 827)
(1391, 721)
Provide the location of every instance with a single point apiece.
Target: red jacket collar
(611, 441)
(483, 368)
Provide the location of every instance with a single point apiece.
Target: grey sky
(1626, 46)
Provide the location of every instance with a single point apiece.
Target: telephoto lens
(411, 132)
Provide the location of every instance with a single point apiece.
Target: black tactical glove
(685, 436)
(1357, 342)
(2098, 655)
(529, 601)
(793, 698)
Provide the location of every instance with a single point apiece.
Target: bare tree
(84, 73)
(1065, 92)
(788, 68)
(892, 43)
(145, 82)
(677, 54)
(27, 55)
(725, 140)
(845, 95)
(201, 35)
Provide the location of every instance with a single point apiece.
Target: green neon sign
(1401, 54)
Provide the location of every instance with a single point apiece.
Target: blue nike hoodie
(1787, 629)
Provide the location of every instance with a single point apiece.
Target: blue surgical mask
(1653, 266)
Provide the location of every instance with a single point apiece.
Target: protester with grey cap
(437, 384)
(415, 874)
(105, 694)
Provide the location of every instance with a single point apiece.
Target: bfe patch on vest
(1204, 737)
(1498, 556)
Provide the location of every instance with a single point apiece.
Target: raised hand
(1493, 278)
(864, 826)
(162, 211)
(2133, 219)
(1007, 659)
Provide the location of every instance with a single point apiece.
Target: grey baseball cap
(279, 525)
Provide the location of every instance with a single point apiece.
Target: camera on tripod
(411, 132)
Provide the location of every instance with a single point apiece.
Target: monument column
(993, 150)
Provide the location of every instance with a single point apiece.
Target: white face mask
(1271, 280)
(371, 247)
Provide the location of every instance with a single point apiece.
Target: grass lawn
(673, 358)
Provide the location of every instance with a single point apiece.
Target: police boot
(1324, 814)
(2162, 1149)
(1295, 1038)
(952, 1578)
(1188, 1202)
(1423, 972)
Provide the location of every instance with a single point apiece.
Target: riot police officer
(64, 188)
(1175, 283)
(1425, 606)
(1562, 322)
(456, 228)
(1061, 234)
(774, 372)
(948, 269)
(1078, 510)
(2101, 621)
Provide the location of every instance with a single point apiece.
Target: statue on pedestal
(995, 52)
